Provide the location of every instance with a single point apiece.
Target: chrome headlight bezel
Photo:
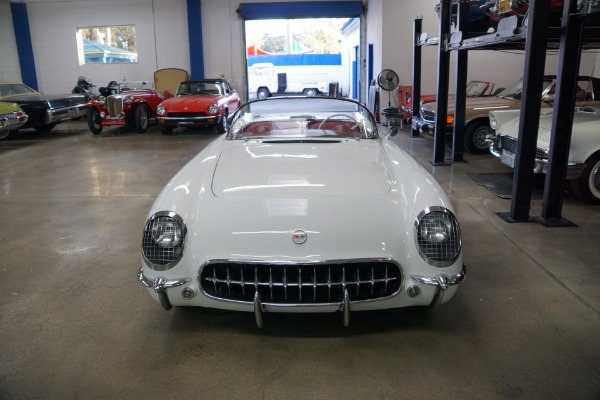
(213, 109)
(437, 236)
(101, 100)
(128, 100)
(161, 110)
(161, 256)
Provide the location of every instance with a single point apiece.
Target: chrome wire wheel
(594, 181)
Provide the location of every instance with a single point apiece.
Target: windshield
(476, 88)
(11, 89)
(515, 91)
(200, 88)
(300, 117)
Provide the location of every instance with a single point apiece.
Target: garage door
(301, 9)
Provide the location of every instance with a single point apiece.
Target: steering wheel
(339, 115)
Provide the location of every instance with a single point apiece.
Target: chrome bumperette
(159, 285)
(441, 282)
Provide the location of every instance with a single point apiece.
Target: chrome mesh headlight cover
(437, 236)
(163, 240)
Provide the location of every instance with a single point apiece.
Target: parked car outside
(206, 102)
(477, 121)
(44, 111)
(129, 104)
(302, 207)
(12, 117)
(583, 171)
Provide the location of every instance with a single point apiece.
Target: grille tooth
(284, 284)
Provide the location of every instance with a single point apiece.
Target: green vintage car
(12, 117)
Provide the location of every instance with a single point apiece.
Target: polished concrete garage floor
(76, 324)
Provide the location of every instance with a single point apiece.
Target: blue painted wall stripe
(301, 9)
(194, 11)
(24, 47)
(297, 59)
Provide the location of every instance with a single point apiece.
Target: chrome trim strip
(286, 262)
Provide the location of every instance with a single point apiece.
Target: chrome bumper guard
(442, 282)
(159, 284)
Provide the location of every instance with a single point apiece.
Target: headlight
(437, 236)
(128, 100)
(164, 240)
(213, 108)
(101, 100)
(161, 110)
(493, 121)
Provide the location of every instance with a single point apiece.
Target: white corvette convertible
(302, 207)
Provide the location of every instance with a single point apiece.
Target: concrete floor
(76, 324)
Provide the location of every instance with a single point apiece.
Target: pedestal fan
(388, 81)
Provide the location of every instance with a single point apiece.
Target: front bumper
(189, 121)
(57, 115)
(574, 170)
(440, 283)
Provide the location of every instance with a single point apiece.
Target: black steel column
(533, 78)
(416, 89)
(460, 99)
(439, 139)
(562, 119)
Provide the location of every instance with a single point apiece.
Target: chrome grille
(301, 283)
(510, 144)
(428, 114)
(114, 105)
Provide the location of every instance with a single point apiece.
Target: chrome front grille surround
(115, 106)
(301, 284)
(440, 221)
(510, 144)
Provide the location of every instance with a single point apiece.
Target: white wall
(9, 62)
(161, 33)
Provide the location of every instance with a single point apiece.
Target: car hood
(55, 101)
(193, 102)
(293, 169)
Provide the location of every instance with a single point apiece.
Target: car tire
(45, 128)
(263, 93)
(587, 186)
(311, 92)
(166, 129)
(222, 125)
(141, 118)
(7, 134)
(94, 122)
(475, 135)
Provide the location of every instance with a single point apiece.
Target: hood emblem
(299, 236)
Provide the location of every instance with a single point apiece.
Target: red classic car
(205, 102)
(123, 106)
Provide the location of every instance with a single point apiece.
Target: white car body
(305, 201)
(585, 145)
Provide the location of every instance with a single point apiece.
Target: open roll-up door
(301, 9)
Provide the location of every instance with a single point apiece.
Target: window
(107, 45)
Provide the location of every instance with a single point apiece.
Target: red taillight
(20, 116)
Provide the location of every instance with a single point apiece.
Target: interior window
(107, 45)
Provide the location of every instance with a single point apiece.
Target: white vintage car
(302, 207)
(583, 171)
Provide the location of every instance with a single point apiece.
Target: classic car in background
(12, 117)
(302, 207)
(44, 111)
(474, 89)
(123, 104)
(477, 121)
(583, 172)
(206, 102)
(478, 19)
